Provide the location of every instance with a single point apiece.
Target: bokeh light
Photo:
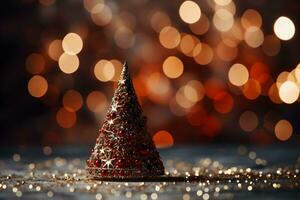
(55, 49)
(159, 20)
(201, 26)
(163, 139)
(283, 130)
(251, 18)
(35, 63)
(68, 63)
(238, 74)
(204, 55)
(187, 44)
(186, 96)
(124, 38)
(282, 77)
(260, 72)
(66, 118)
(273, 94)
(90, 4)
(158, 88)
(72, 100)
(254, 36)
(37, 86)
(96, 101)
(226, 52)
(101, 14)
(223, 20)
(223, 102)
(289, 92)
(214, 87)
(252, 89)
(72, 43)
(213, 63)
(223, 2)
(194, 90)
(104, 70)
(172, 67)
(118, 69)
(271, 45)
(248, 121)
(189, 12)
(190, 93)
(284, 28)
(169, 37)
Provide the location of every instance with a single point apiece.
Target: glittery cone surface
(124, 148)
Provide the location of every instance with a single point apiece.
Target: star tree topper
(124, 148)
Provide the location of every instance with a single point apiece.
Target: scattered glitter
(16, 157)
(50, 194)
(98, 196)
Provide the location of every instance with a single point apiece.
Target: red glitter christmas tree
(124, 148)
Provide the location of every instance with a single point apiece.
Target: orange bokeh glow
(223, 102)
(169, 37)
(274, 94)
(96, 101)
(35, 63)
(37, 86)
(283, 130)
(213, 88)
(163, 139)
(252, 89)
(72, 100)
(260, 72)
(55, 49)
(65, 118)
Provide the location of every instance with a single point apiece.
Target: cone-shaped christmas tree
(124, 149)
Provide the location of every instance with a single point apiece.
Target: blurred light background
(206, 71)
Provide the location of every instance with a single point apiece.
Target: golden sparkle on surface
(284, 28)
(189, 12)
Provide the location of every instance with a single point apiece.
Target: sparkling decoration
(199, 178)
(124, 148)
